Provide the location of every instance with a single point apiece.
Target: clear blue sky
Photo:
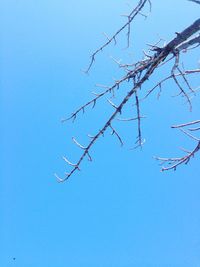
(120, 210)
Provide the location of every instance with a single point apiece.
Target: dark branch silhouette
(136, 76)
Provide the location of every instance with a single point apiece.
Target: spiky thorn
(112, 104)
(70, 163)
(130, 119)
(114, 132)
(78, 144)
(82, 147)
(143, 15)
(131, 17)
(146, 54)
(108, 38)
(126, 67)
(102, 86)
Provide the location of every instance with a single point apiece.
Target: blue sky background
(119, 211)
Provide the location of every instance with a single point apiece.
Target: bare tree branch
(139, 73)
(173, 163)
(130, 18)
(139, 137)
(186, 124)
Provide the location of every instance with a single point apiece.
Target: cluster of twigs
(137, 74)
(173, 163)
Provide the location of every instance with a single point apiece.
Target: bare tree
(137, 74)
